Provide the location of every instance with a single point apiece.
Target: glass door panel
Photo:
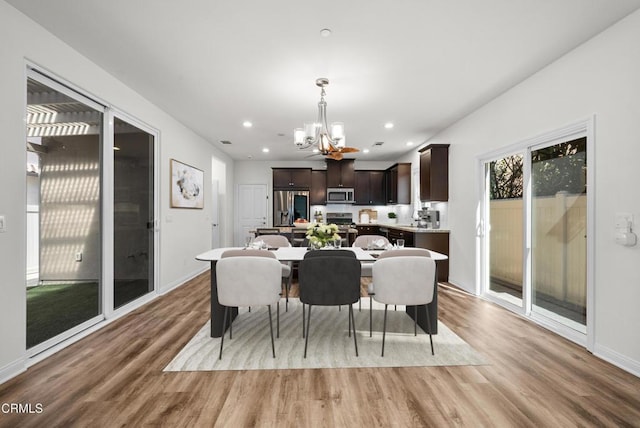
(559, 232)
(133, 213)
(64, 145)
(504, 217)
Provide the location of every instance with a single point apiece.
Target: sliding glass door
(133, 209)
(559, 232)
(534, 230)
(64, 199)
(504, 217)
(91, 203)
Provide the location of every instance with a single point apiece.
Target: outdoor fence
(559, 245)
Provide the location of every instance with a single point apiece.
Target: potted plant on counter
(393, 218)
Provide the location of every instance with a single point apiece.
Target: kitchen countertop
(406, 227)
(287, 229)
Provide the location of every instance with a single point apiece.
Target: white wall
(601, 78)
(183, 233)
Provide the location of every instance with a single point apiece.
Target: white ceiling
(421, 64)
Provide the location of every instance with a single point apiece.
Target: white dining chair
(279, 241)
(368, 242)
(248, 281)
(407, 280)
(403, 252)
(252, 252)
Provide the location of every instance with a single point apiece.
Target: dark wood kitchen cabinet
(318, 191)
(368, 230)
(341, 173)
(292, 178)
(398, 180)
(439, 242)
(434, 173)
(369, 187)
(394, 234)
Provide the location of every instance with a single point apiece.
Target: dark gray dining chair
(248, 281)
(330, 279)
(328, 253)
(406, 280)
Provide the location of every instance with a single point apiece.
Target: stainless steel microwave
(340, 196)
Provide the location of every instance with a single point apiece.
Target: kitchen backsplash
(405, 213)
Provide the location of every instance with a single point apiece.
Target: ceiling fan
(337, 153)
(330, 141)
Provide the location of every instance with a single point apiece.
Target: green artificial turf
(55, 308)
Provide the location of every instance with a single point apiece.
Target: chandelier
(330, 141)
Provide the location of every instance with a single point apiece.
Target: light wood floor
(114, 378)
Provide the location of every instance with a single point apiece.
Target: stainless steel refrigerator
(290, 205)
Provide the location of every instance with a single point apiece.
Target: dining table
(296, 254)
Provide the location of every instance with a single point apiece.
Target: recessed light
(409, 143)
(247, 124)
(265, 150)
(365, 150)
(388, 125)
(325, 32)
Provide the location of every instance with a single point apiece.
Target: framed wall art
(187, 186)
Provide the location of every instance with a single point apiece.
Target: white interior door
(215, 215)
(252, 210)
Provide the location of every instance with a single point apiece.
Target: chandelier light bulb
(298, 136)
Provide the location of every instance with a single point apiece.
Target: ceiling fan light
(337, 133)
(329, 140)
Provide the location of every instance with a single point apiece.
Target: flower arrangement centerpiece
(320, 235)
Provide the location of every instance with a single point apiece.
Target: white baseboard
(17, 367)
(453, 281)
(178, 282)
(618, 360)
(621, 361)
(12, 370)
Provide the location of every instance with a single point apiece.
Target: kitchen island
(297, 234)
(419, 237)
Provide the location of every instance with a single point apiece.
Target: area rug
(329, 343)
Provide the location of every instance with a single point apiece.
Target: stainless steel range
(343, 220)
